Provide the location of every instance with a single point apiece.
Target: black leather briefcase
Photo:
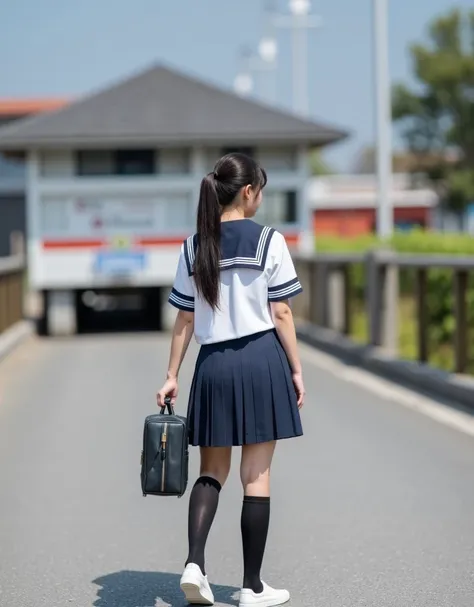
(164, 462)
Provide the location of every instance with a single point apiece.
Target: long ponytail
(218, 190)
(206, 264)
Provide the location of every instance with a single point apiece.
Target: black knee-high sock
(254, 527)
(202, 509)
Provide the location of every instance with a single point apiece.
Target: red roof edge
(25, 107)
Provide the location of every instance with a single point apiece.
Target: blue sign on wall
(120, 262)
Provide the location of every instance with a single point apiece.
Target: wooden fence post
(3, 303)
(382, 301)
(347, 299)
(17, 243)
(461, 330)
(335, 286)
(372, 298)
(422, 314)
(314, 287)
(390, 295)
(322, 295)
(302, 303)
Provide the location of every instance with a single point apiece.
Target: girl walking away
(232, 287)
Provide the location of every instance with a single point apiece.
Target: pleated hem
(258, 441)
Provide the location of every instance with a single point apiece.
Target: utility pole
(268, 53)
(300, 22)
(263, 62)
(383, 119)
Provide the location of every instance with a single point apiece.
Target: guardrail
(328, 301)
(12, 271)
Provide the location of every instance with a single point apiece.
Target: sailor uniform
(242, 391)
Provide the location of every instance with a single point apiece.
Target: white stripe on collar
(260, 245)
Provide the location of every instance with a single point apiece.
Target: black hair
(218, 190)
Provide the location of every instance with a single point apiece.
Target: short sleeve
(182, 293)
(283, 282)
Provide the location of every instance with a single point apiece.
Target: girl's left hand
(170, 389)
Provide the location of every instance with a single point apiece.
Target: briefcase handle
(167, 405)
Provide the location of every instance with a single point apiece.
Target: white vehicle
(99, 253)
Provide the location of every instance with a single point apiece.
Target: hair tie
(216, 176)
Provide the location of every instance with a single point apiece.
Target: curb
(12, 337)
(422, 378)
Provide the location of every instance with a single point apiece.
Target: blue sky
(69, 48)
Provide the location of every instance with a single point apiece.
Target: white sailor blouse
(256, 268)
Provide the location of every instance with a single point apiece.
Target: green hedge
(440, 297)
(416, 241)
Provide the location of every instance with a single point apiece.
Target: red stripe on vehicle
(291, 239)
(73, 244)
(163, 241)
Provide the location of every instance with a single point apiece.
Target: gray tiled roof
(163, 106)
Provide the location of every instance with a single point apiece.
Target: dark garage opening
(118, 310)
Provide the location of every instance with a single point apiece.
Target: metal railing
(328, 298)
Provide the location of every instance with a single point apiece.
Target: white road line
(459, 420)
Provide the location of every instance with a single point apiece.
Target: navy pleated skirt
(242, 393)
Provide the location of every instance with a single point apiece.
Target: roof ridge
(155, 120)
(206, 82)
(76, 101)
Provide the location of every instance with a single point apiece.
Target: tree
(437, 116)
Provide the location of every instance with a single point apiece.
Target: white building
(113, 182)
(346, 205)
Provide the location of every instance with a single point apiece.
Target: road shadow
(150, 589)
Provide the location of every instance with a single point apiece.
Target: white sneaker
(195, 586)
(269, 597)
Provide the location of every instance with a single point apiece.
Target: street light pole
(268, 54)
(383, 119)
(263, 62)
(300, 22)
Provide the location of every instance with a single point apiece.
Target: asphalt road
(373, 507)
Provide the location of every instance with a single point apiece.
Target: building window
(95, 163)
(56, 164)
(291, 207)
(11, 167)
(135, 162)
(278, 208)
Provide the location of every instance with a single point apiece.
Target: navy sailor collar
(244, 244)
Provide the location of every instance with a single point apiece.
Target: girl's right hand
(169, 389)
(299, 388)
